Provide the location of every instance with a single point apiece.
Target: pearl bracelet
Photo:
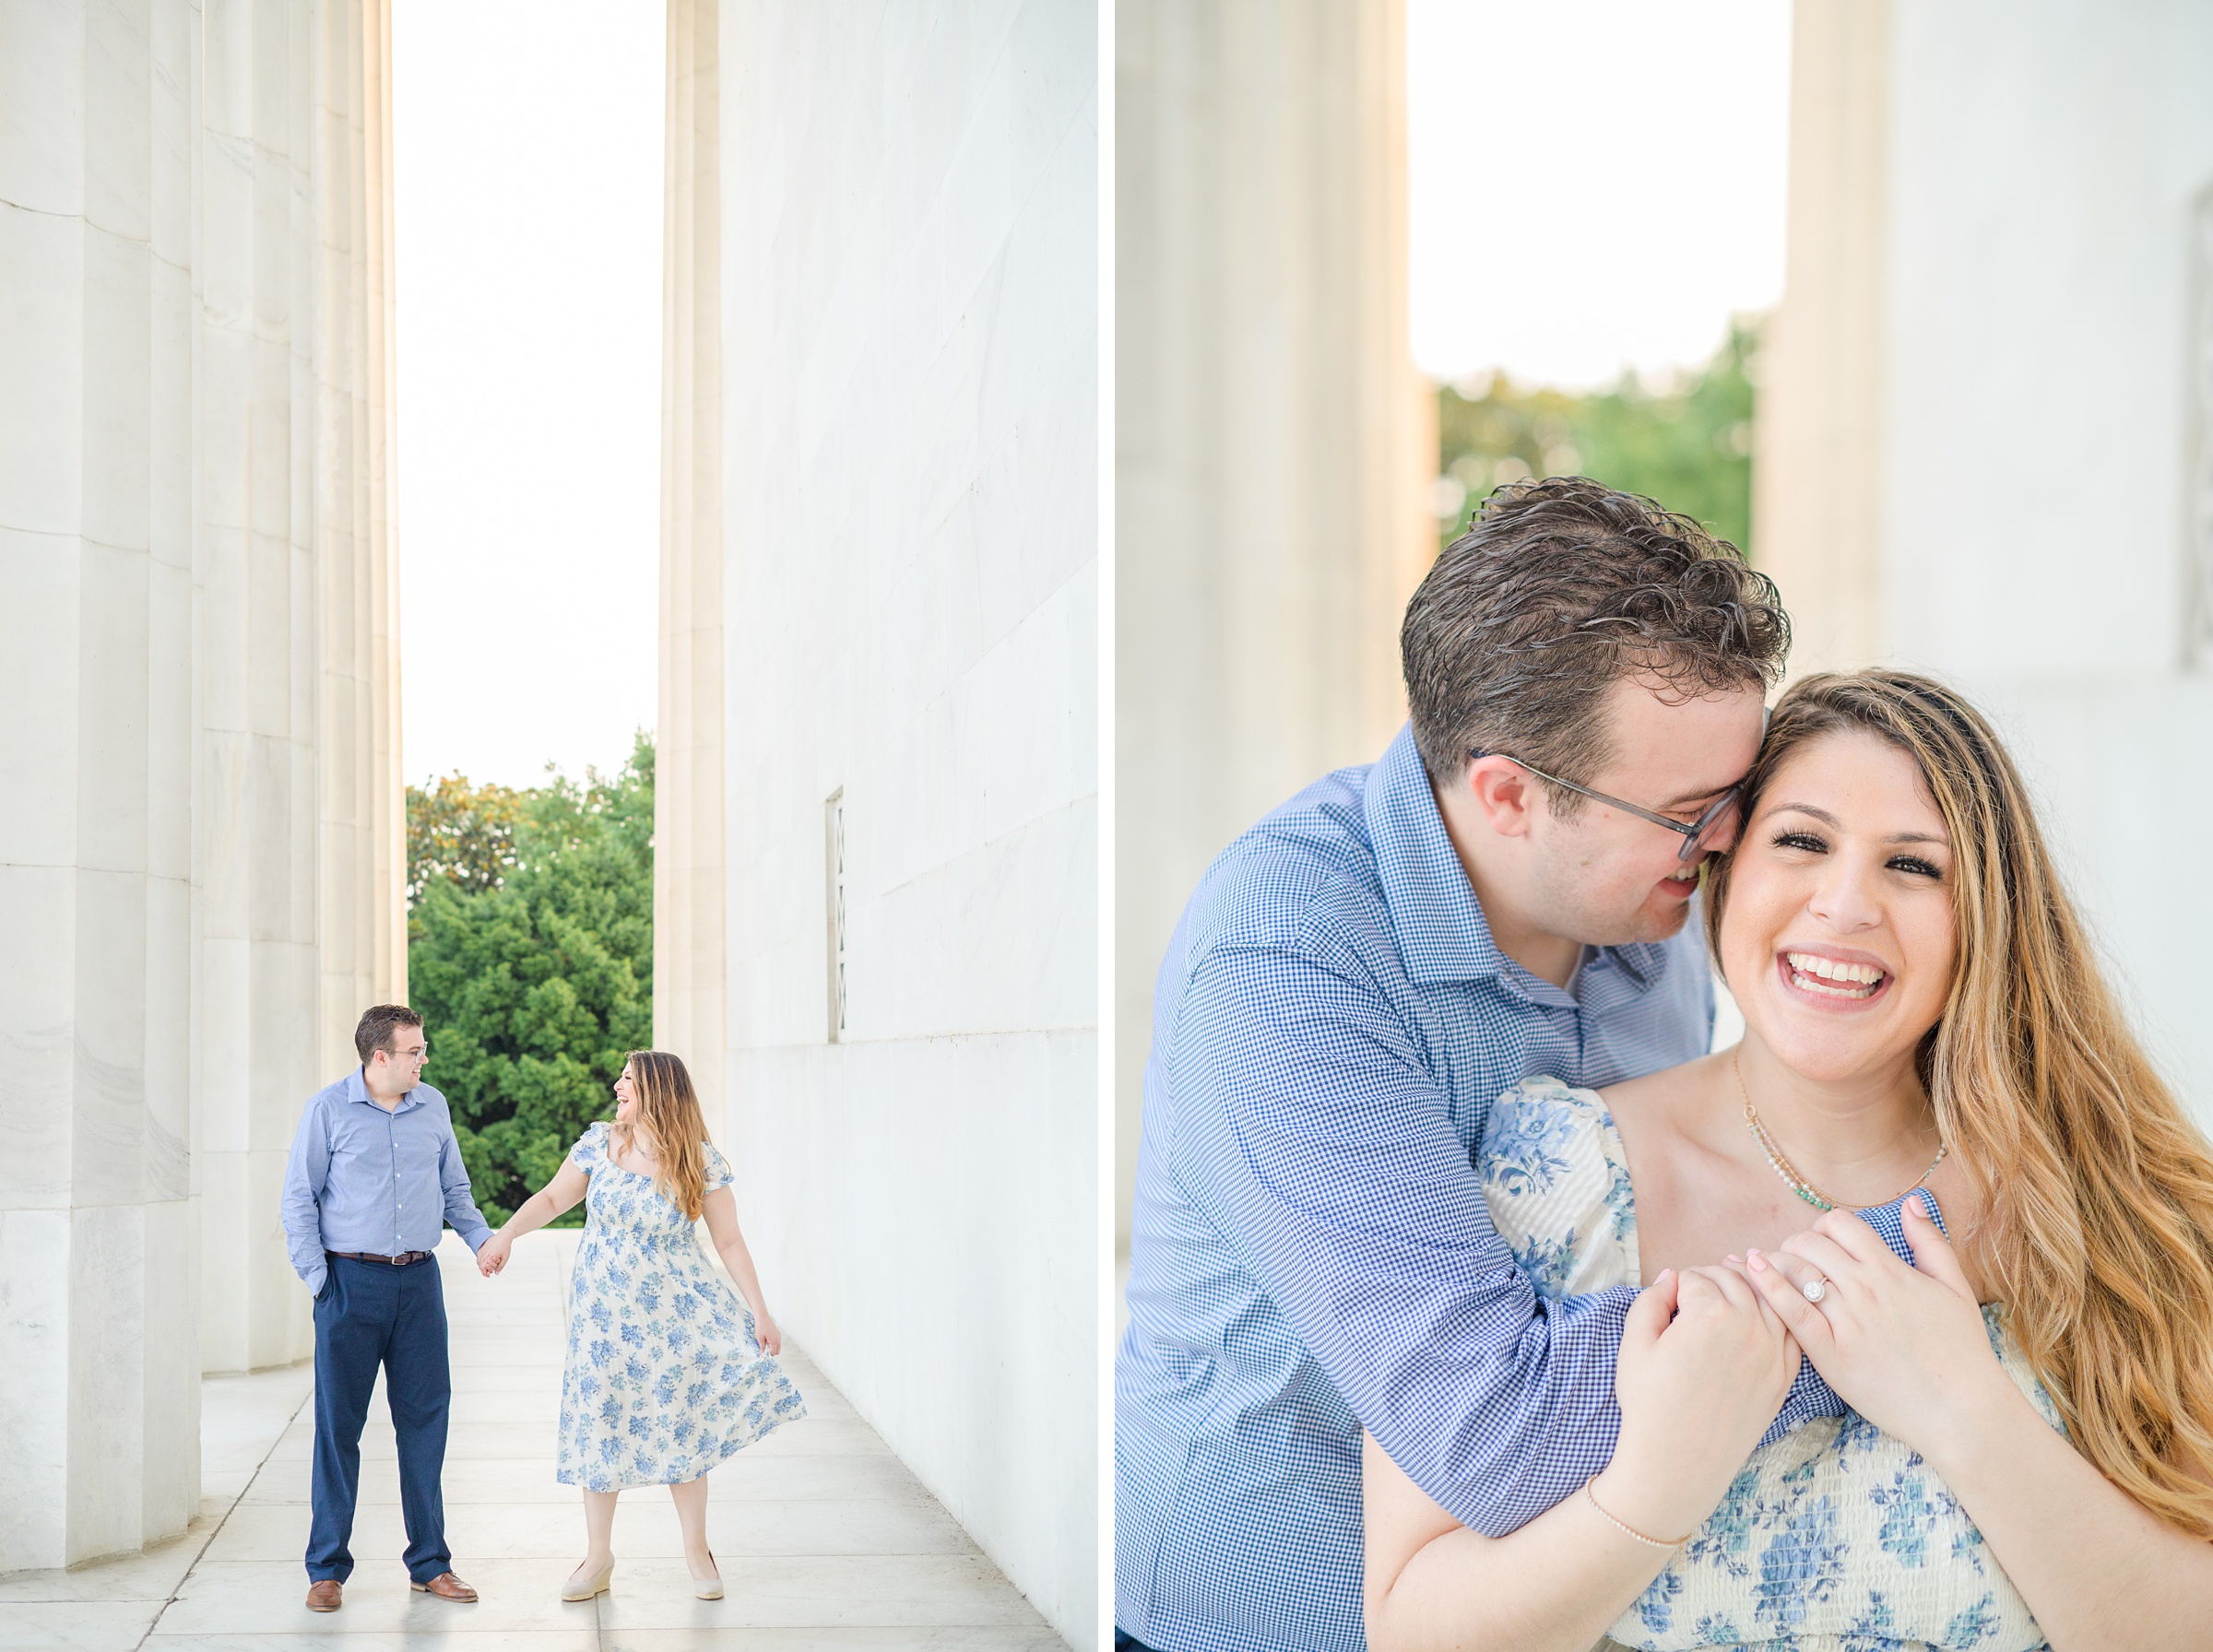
(1631, 1530)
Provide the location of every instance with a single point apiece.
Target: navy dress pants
(371, 1313)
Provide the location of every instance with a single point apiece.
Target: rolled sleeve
(461, 1213)
(304, 1175)
(1342, 1183)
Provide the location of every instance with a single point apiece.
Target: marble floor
(826, 1542)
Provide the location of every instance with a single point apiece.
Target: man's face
(402, 1062)
(1603, 877)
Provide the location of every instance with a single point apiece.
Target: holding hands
(492, 1255)
(1904, 1347)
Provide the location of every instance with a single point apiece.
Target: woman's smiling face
(1838, 937)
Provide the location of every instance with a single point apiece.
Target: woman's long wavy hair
(669, 1117)
(2097, 1189)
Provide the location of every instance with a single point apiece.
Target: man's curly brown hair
(1558, 589)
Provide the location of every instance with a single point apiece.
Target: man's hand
(492, 1255)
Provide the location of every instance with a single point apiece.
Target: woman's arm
(1696, 1395)
(721, 1211)
(568, 1186)
(1905, 1348)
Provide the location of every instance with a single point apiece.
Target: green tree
(1688, 444)
(461, 832)
(532, 967)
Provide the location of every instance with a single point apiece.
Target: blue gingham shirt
(1310, 1248)
(362, 1179)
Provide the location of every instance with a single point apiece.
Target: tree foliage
(1688, 444)
(530, 960)
(461, 832)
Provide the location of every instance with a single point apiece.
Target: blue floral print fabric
(664, 1378)
(1835, 1538)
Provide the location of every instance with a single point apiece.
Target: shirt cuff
(314, 1280)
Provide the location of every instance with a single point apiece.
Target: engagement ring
(1815, 1289)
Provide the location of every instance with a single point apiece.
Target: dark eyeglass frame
(1693, 834)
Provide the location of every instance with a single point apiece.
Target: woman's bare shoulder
(1669, 1097)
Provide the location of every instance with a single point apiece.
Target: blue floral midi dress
(664, 1378)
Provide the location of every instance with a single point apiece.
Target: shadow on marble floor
(827, 1543)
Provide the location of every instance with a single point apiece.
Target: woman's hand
(767, 1334)
(1704, 1366)
(492, 1255)
(1904, 1347)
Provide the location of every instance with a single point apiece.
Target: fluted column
(99, 1377)
(195, 548)
(259, 971)
(688, 952)
(1817, 489)
(1272, 442)
(363, 834)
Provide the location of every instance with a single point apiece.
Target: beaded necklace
(1789, 1171)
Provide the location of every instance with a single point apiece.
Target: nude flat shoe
(597, 1585)
(712, 1588)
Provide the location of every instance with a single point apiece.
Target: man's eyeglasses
(1695, 833)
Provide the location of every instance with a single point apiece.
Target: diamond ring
(1816, 1288)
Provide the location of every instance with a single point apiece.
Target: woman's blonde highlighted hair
(669, 1117)
(2097, 1189)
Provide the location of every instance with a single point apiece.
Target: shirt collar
(1441, 930)
(357, 1089)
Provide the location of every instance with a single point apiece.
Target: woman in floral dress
(2028, 1459)
(666, 1375)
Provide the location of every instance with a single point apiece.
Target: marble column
(364, 798)
(196, 567)
(98, 1385)
(1817, 489)
(688, 888)
(1273, 446)
(259, 968)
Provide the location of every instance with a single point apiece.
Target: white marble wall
(909, 294)
(165, 236)
(1274, 446)
(2037, 420)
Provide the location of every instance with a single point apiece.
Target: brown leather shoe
(447, 1587)
(323, 1595)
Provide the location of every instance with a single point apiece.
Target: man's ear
(1504, 793)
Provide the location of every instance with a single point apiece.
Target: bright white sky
(526, 150)
(1594, 183)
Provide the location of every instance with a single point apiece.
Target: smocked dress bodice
(1835, 1538)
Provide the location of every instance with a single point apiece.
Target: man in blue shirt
(1511, 891)
(375, 1175)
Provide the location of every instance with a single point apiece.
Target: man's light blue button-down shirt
(1310, 1247)
(362, 1179)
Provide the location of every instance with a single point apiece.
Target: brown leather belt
(401, 1260)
